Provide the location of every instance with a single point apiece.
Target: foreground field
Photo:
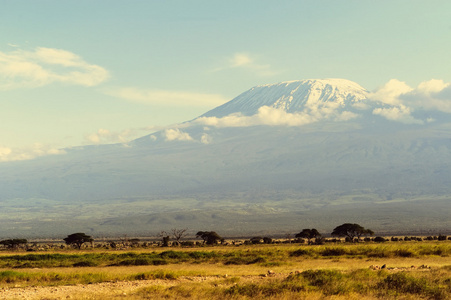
(343, 271)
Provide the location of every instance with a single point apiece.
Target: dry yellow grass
(348, 274)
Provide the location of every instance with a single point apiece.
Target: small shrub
(85, 263)
(136, 262)
(402, 283)
(202, 254)
(155, 275)
(258, 259)
(337, 251)
(235, 261)
(379, 239)
(404, 253)
(300, 252)
(442, 237)
(128, 255)
(267, 240)
(159, 262)
(174, 254)
(322, 278)
(187, 244)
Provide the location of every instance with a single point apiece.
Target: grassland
(282, 271)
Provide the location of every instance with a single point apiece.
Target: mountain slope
(235, 179)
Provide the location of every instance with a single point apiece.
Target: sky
(90, 72)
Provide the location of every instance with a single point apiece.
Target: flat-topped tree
(308, 234)
(13, 243)
(78, 239)
(209, 237)
(351, 230)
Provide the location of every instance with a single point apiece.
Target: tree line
(352, 232)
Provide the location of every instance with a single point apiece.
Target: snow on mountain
(294, 96)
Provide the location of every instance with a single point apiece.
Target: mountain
(276, 159)
(294, 96)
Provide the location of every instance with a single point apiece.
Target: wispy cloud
(246, 61)
(163, 97)
(241, 60)
(105, 136)
(43, 66)
(36, 150)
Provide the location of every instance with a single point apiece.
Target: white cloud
(247, 62)
(346, 116)
(162, 97)
(277, 117)
(36, 150)
(430, 95)
(399, 113)
(174, 134)
(401, 100)
(104, 136)
(206, 139)
(233, 120)
(390, 92)
(432, 86)
(240, 60)
(4, 152)
(43, 66)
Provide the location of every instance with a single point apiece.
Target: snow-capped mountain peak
(294, 96)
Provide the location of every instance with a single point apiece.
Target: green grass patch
(246, 255)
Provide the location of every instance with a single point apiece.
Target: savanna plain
(409, 269)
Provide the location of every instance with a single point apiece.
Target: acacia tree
(209, 237)
(178, 234)
(308, 234)
(78, 239)
(351, 230)
(13, 243)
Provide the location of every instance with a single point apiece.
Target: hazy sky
(84, 72)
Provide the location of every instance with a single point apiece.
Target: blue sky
(84, 72)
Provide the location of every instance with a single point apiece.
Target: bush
(379, 239)
(136, 262)
(267, 240)
(202, 254)
(174, 254)
(334, 251)
(300, 252)
(235, 261)
(329, 282)
(155, 275)
(402, 283)
(404, 253)
(85, 263)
